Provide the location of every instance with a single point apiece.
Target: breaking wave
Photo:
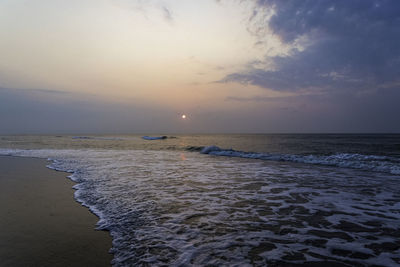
(345, 160)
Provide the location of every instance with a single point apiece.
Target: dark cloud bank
(41, 111)
(351, 58)
(354, 45)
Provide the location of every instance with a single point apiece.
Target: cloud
(46, 111)
(167, 14)
(346, 45)
(34, 91)
(147, 8)
(257, 98)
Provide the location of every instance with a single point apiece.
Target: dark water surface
(248, 200)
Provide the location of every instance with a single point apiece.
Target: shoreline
(41, 223)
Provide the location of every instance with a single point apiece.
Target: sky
(232, 66)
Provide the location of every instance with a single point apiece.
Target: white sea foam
(181, 208)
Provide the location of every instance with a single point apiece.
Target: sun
(183, 116)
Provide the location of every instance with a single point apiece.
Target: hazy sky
(120, 66)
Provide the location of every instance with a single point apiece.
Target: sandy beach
(41, 224)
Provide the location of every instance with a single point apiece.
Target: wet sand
(41, 224)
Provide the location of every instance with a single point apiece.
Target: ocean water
(235, 200)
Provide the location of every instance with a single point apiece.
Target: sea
(237, 199)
